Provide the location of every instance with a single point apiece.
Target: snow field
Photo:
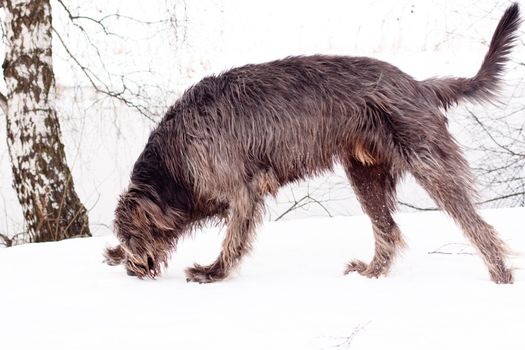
(289, 294)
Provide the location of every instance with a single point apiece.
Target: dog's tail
(484, 86)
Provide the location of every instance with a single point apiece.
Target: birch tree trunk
(42, 178)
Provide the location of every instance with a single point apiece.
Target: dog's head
(146, 232)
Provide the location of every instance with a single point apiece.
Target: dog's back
(295, 117)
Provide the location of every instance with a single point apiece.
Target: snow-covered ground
(289, 294)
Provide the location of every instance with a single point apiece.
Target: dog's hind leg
(446, 176)
(375, 187)
(246, 210)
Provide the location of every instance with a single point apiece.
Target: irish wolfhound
(234, 138)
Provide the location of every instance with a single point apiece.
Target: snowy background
(287, 295)
(159, 51)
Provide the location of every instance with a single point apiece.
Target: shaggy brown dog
(233, 138)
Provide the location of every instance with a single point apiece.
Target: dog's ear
(167, 219)
(134, 246)
(155, 215)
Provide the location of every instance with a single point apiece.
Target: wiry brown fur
(236, 137)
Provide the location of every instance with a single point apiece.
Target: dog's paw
(355, 266)
(204, 274)
(502, 275)
(364, 269)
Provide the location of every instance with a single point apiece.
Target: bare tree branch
(461, 251)
(130, 93)
(412, 206)
(489, 134)
(304, 201)
(501, 169)
(73, 18)
(91, 76)
(494, 199)
(511, 195)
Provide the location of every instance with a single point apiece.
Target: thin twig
(416, 207)
(347, 341)
(460, 252)
(6, 241)
(489, 134)
(506, 196)
(11, 241)
(494, 199)
(90, 19)
(305, 200)
(106, 91)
